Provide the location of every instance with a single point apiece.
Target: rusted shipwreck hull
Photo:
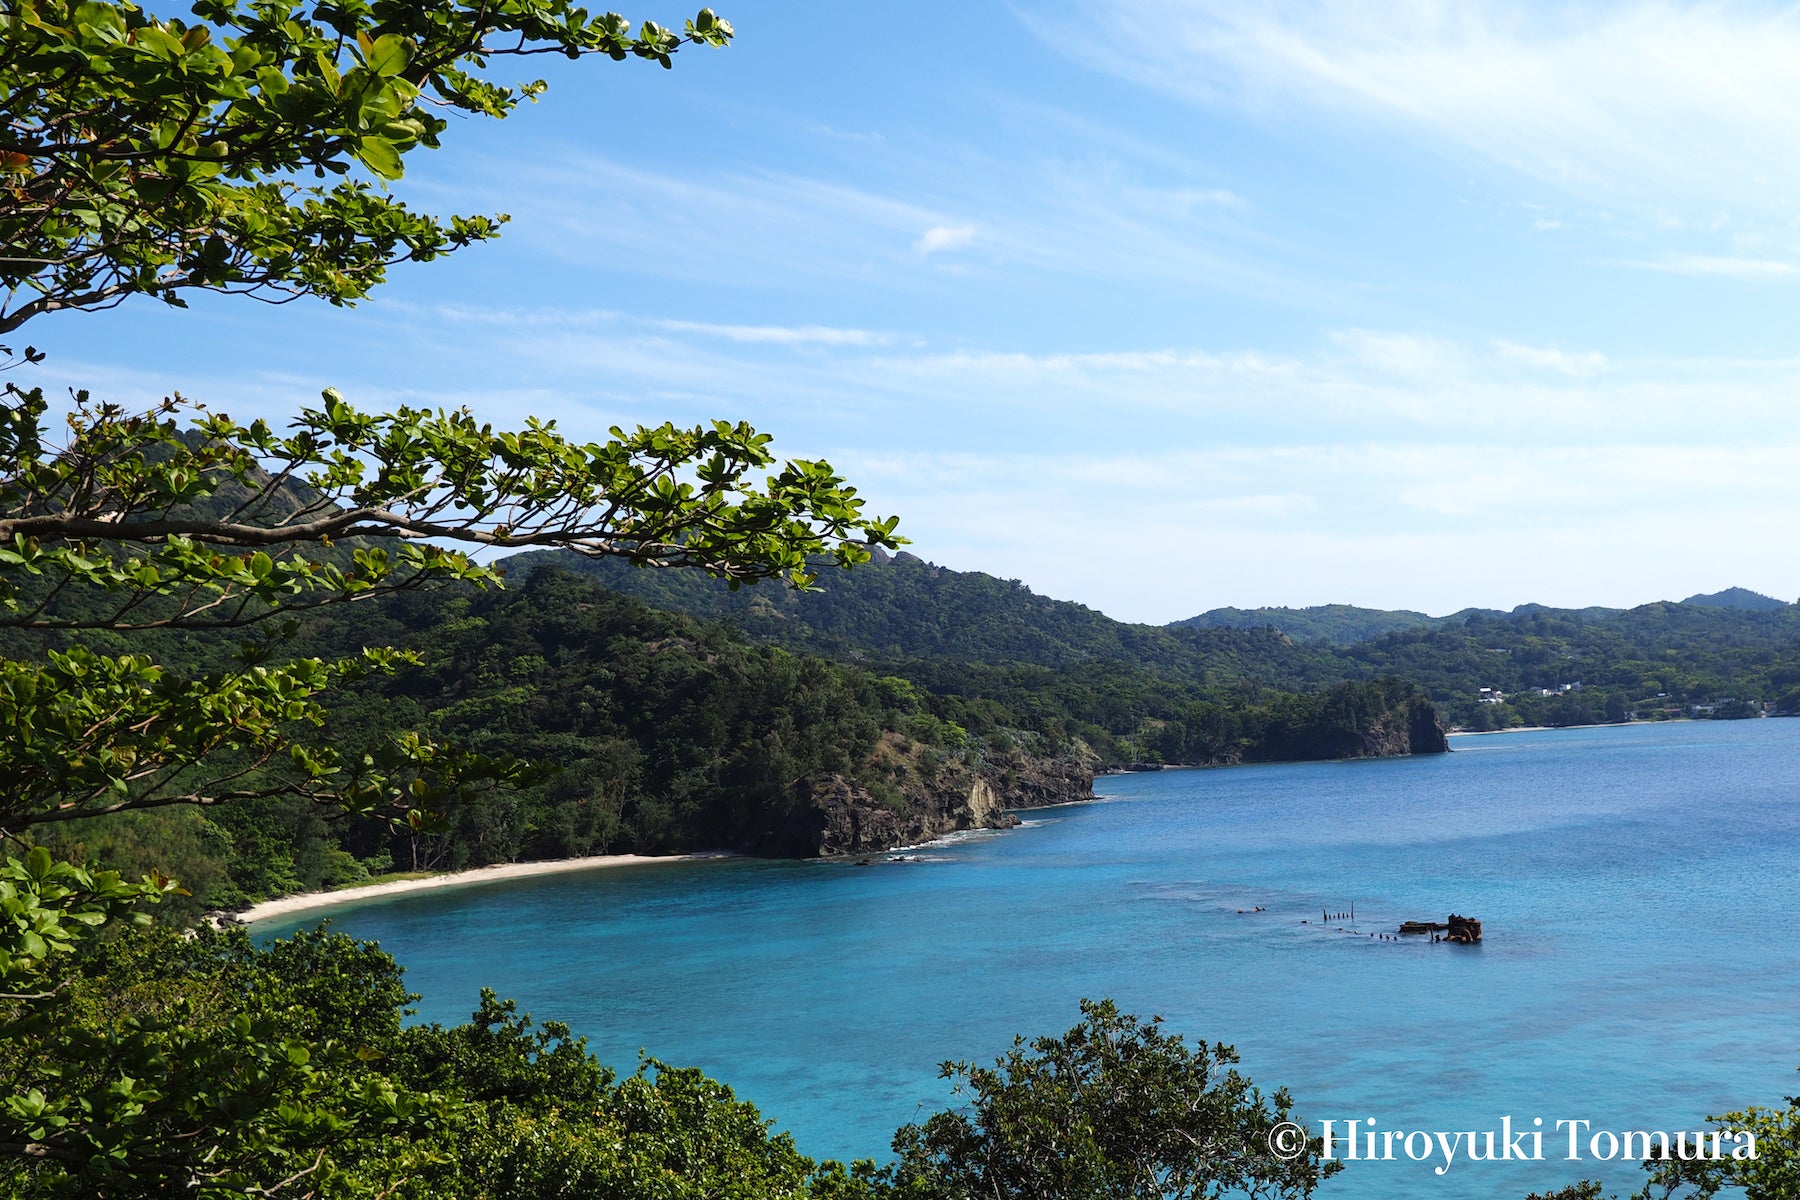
(1464, 931)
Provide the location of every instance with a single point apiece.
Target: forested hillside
(1727, 654)
(905, 608)
(664, 733)
(867, 713)
(1737, 597)
(1656, 660)
(1338, 624)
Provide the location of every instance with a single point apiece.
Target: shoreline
(1514, 729)
(1559, 728)
(287, 906)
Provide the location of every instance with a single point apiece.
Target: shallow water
(1637, 885)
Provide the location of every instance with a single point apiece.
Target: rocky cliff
(1412, 729)
(912, 794)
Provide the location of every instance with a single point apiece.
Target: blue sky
(1158, 307)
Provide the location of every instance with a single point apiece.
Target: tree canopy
(248, 151)
(245, 151)
(151, 155)
(1115, 1109)
(137, 522)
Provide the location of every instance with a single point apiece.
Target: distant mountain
(902, 607)
(1742, 599)
(1339, 624)
(989, 639)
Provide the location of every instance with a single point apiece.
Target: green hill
(1338, 624)
(1660, 659)
(667, 732)
(1739, 598)
(997, 639)
(902, 607)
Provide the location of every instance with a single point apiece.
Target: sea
(1638, 887)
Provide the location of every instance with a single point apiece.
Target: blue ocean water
(1641, 967)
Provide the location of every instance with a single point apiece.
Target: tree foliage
(150, 155)
(210, 1067)
(248, 150)
(1115, 1109)
(139, 523)
(1656, 660)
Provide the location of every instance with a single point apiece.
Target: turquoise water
(1637, 885)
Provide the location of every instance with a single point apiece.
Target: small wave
(956, 838)
(965, 835)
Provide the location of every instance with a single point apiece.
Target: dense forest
(895, 689)
(1337, 624)
(1722, 655)
(657, 732)
(1656, 661)
(902, 607)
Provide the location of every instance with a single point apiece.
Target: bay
(1641, 967)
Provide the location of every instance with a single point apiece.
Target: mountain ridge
(1349, 624)
(1742, 599)
(996, 639)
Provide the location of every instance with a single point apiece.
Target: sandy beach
(1486, 732)
(1544, 728)
(287, 906)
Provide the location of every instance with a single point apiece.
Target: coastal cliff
(912, 794)
(1414, 728)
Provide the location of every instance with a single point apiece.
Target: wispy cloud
(1649, 104)
(1578, 364)
(1094, 210)
(1375, 466)
(1722, 265)
(782, 335)
(1391, 525)
(944, 237)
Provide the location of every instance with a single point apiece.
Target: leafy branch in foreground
(141, 522)
(140, 506)
(144, 155)
(98, 735)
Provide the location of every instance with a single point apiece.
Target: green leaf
(378, 154)
(389, 55)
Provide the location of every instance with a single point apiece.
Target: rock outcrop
(1414, 728)
(912, 796)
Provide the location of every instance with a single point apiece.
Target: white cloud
(1377, 467)
(1403, 353)
(944, 237)
(919, 394)
(783, 335)
(1648, 104)
(1400, 525)
(1579, 365)
(1720, 264)
(1110, 209)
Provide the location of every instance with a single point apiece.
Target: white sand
(287, 906)
(1511, 729)
(1557, 728)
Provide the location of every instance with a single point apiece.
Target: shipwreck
(1463, 931)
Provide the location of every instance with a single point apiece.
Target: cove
(1640, 971)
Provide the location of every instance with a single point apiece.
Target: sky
(1157, 307)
